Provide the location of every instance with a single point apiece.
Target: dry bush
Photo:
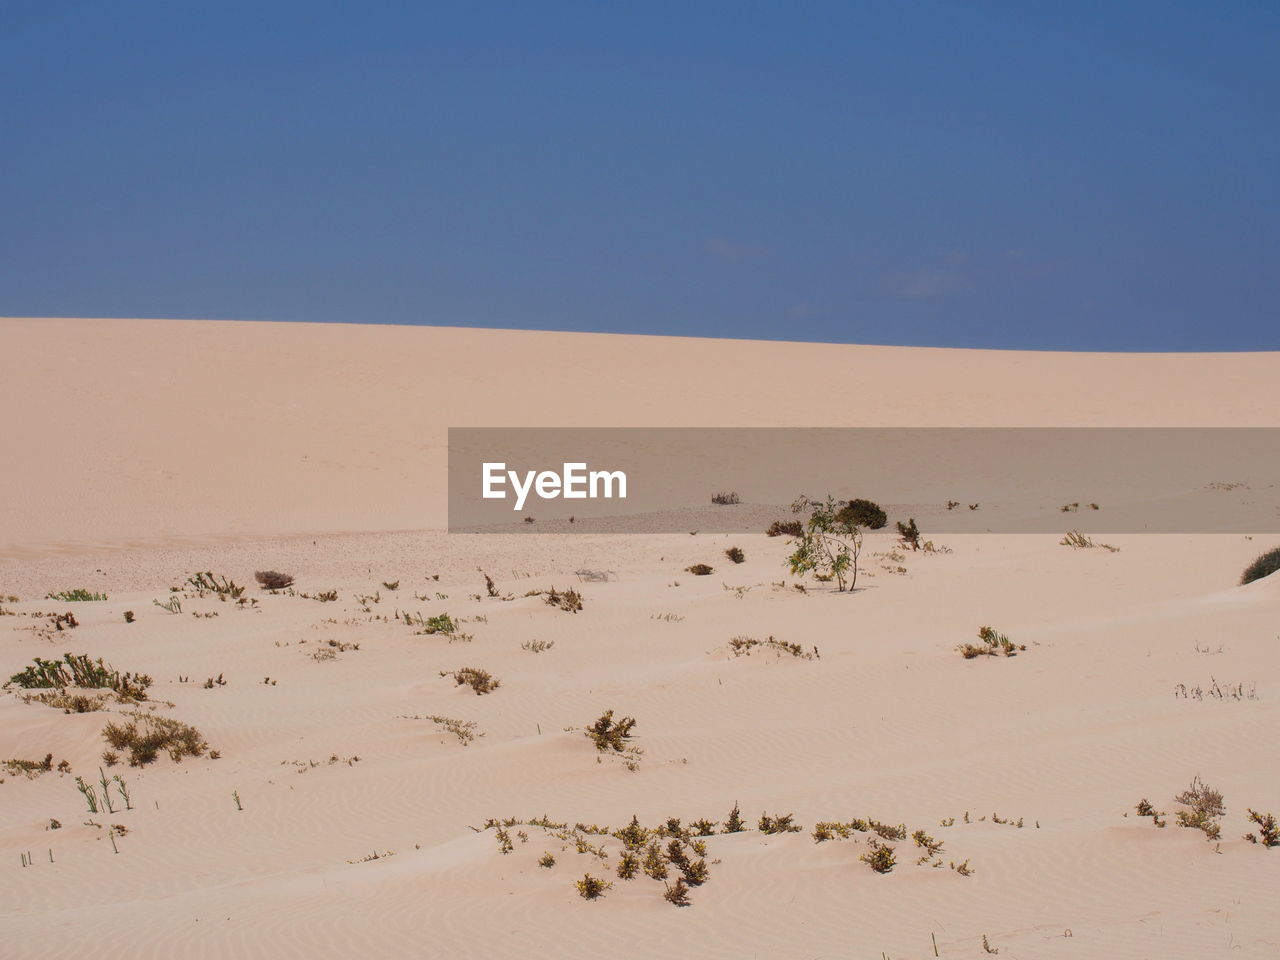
(1266, 564)
(735, 554)
(570, 601)
(994, 644)
(700, 570)
(591, 888)
(725, 499)
(273, 580)
(481, 681)
(607, 734)
(146, 735)
(785, 528)
(1268, 830)
(1207, 806)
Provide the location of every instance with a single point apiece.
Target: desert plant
(481, 681)
(77, 670)
(700, 570)
(570, 601)
(207, 582)
(735, 823)
(591, 888)
(735, 554)
(145, 735)
(273, 579)
(785, 528)
(827, 547)
(994, 644)
(607, 734)
(677, 893)
(80, 593)
(780, 823)
(537, 646)
(1266, 564)
(879, 856)
(1268, 830)
(725, 499)
(1207, 806)
(909, 533)
(1078, 541)
(742, 646)
(863, 513)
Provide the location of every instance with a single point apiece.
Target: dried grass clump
(700, 570)
(570, 601)
(735, 554)
(1267, 564)
(785, 528)
(725, 499)
(273, 579)
(481, 681)
(146, 735)
(742, 646)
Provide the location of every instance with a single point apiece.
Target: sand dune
(145, 451)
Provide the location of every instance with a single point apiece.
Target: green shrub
(78, 594)
(591, 888)
(863, 513)
(608, 735)
(828, 547)
(1264, 566)
(77, 670)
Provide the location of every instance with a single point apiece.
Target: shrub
(863, 513)
(608, 735)
(146, 734)
(1267, 564)
(785, 528)
(77, 670)
(1206, 805)
(677, 893)
(1268, 831)
(879, 857)
(207, 582)
(80, 593)
(735, 823)
(591, 888)
(725, 499)
(546, 860)
(478, 680)
(700, 570)
(778, 824)
(828, 546)
(909, 533)
(273, 579)
(735, 554)
(993, 645)
(570, 601)
(742, 646)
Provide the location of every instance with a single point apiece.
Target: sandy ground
(141, 452)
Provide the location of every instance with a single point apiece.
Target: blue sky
(1049, 176)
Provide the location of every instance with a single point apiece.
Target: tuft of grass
(537, 646)
(145, 735)
(274, 579)
(1266, 564)
(1078, 541)
(481, 681)
(742, 646)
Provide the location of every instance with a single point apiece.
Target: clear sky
(1061, 176)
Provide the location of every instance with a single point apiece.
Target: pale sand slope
(147, 431)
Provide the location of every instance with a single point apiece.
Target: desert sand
(332, 824)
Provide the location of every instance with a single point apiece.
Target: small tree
(829, 544)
